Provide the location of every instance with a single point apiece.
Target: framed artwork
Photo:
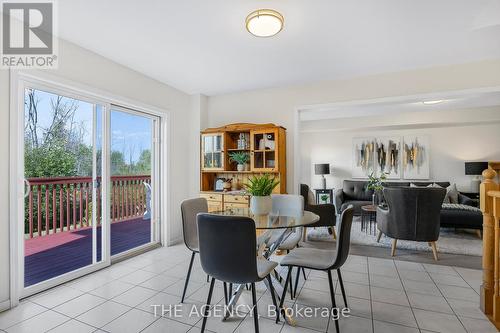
(388, 157)
(415, 157)
(363, 157)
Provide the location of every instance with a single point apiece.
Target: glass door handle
(28, 185)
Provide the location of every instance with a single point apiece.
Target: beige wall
(277, 105)
(84, 67)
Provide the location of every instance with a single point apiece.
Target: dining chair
(228, 253)
(324, 260)
(189, 209)
(289, 205)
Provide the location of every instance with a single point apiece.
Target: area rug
(453, 241)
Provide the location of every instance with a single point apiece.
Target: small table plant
(376, 184)
(241, 158)
(260, 188)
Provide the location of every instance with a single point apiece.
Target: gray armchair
(412, 213)
(326, 212)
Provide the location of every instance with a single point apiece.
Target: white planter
(240, 167)
(261, 205)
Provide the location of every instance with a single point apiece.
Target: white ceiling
(201, 46)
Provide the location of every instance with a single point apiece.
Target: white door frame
(52, 83)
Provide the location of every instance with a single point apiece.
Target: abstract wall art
(388, 157)
(415, 159)
(363, 157)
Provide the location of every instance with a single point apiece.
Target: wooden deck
(53, 255)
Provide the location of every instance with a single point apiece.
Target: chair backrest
(343, 237)
(415, 212)
(189, 209)
(228, 249)
(357, 190)
(304, 193)
(288, 204)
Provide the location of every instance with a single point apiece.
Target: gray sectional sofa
(463, 215)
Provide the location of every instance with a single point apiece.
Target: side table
(369, 218)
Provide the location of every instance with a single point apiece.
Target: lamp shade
(475, 168)
(321, 169)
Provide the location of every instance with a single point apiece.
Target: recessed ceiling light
(264, 22)
(433, 102)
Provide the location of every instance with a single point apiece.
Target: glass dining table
(272, 229)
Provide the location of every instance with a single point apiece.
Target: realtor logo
(28, 35)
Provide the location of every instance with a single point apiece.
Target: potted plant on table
(376, 184)
(241, 158)
(260, 188)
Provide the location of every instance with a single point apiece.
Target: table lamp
(322, 169)
(475, 169)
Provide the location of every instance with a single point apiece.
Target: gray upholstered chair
(326, 212)
(189, 209)
(228, 253)
(324, 260)
(412, 213)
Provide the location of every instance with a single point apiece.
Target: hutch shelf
(265, 145)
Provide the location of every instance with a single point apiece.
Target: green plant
(376, 183)
(261, 186)
(239, 157)
(324, 197)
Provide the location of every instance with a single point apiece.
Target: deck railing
(65, 203)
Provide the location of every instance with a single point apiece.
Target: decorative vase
(373, 199)
(261, 205)
(240, 167)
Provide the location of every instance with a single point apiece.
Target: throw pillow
(451, 194)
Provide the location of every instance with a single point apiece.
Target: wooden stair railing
(490, 207)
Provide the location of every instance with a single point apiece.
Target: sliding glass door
(62, 225)
(133, 177)
(87, 190)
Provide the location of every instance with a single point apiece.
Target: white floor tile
(478, 326)
(103, 314)
(468, 309)
(438, 322)
(131, 322)
(137, 277)
(113, 289)
(392, 296)
(163, 325)
(56, 296)
(159, 282)
(352, 324)
(73, 326)
(39, 323)
(393, 313)
(79, 305)
(135, 296)
(24, 311)
(458, 292)
(383, 327)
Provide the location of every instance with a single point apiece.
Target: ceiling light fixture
(433, 102)
(264, 22)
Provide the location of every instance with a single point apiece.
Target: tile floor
(384, 296)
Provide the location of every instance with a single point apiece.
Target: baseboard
(5, 305)
(174, 241)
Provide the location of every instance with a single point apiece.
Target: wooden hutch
(266, 146)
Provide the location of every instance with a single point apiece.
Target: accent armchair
(412, 213)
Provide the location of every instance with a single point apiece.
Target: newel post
(486, 203)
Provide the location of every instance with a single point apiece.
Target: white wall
(449, 148)
(84, 67)
(277, 105)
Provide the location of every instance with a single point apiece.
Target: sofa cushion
(452, 194)
(356, 190)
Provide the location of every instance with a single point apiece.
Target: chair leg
(297, 281)
(208, 278)
(304, 273)
(255, 312)
(332, 295)
(379, 236)
(434, 250)
(288, 277)
(209, 298)
(393, 249)
(478, 232)
(291, 284)
(342, 287)
(187, 278)
(334, 234)
(226, 299)
(273, 296)
(230, 291)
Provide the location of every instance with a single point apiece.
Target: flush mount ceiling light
(433, 102)
(264, 22)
